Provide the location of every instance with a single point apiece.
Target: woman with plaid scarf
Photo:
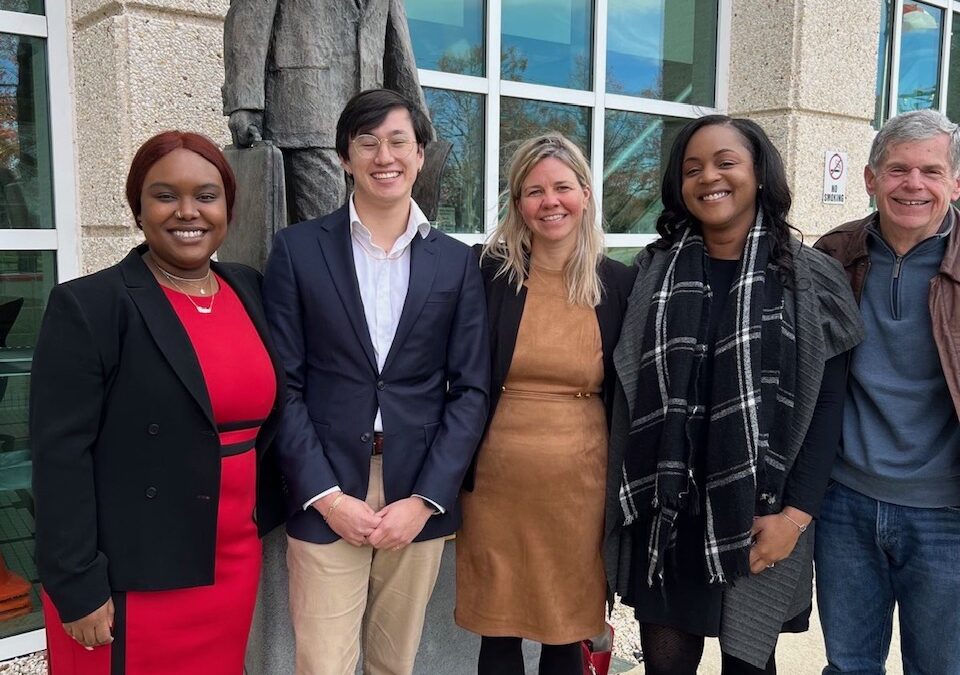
(731, 363)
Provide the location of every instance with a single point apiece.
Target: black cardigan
(505, 309)
(126, 457)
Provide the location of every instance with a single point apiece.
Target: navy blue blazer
(432, 392)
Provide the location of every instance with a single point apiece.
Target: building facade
(84, 82)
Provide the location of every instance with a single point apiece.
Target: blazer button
(153, 429)
(150, 492)
(365, 437)
(381, 385)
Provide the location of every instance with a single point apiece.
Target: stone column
(806, 70)
(140, 67)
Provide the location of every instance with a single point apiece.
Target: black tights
(668, 651)
(503, 656)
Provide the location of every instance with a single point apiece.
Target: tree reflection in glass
(26, 187)
(920, 40)
(662, 50)
(458, 118)
(23, 6)
(635, 149)
(447, 35)
(547, 42)
(521, 119)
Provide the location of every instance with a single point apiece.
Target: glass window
(920, 40)
(625, 254)
(458, 118)
(663, 50)
(24, 6)
(447, 35)
(953, 77)
(636, 147)
(521, 119)
(547, 42)
(26, 278)
(883, 66)
(26, 186)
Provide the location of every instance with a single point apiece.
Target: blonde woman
(528, 553)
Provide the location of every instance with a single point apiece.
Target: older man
(889, 531)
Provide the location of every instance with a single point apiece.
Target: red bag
(597, 653)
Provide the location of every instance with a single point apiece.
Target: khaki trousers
(340, 594)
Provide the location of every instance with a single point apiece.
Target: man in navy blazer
(380, 324)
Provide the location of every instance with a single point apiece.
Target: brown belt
(377, 442)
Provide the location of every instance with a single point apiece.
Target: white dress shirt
(383, 278)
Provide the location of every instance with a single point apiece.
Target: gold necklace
(173, 280)
(199, 284)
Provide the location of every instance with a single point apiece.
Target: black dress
(685, 600)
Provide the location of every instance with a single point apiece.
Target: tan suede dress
(528, 553)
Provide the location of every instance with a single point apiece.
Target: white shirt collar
(417, 223)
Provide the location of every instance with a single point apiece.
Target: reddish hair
(162, 145)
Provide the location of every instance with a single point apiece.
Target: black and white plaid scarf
(751, 402)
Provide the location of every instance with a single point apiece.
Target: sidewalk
(797, 654)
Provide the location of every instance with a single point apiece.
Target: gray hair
(916, 125)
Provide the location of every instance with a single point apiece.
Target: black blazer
(126, 457)
(505, 309)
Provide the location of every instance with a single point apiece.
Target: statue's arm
(399, 64)
(246, 41)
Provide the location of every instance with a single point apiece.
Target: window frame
(949, 7)
(597, 100)
(53, 27)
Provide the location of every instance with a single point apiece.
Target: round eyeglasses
(368, 145)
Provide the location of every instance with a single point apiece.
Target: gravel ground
(34, 664)
(626, 633)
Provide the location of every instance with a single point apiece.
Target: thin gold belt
(525, 393)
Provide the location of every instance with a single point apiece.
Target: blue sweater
(901, 436)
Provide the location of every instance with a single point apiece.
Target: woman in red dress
(154, 397)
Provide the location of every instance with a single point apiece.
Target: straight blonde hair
(511, 240)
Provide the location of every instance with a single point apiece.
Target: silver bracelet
(802, 528)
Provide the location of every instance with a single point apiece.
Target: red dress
(201, 630)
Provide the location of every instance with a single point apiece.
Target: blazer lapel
(507, 326)
(165, 328)
(424, 259)
(338, 254)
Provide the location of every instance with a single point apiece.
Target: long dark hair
(773, 199)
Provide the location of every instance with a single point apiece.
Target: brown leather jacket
(848, 245)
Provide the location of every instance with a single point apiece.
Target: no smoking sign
(834, 177)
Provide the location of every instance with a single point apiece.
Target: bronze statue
(290, 67)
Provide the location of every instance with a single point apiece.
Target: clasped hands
(391, 528)
(775, 536)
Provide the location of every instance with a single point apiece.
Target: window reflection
(26, 278)
(26, 188)
(953, 77)
(447, 35)
(663, 49)
(521, 119)
(24, 6)
(547, 42)
(636, 147)
(920, 40)
(883, 66)
(458, 118)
